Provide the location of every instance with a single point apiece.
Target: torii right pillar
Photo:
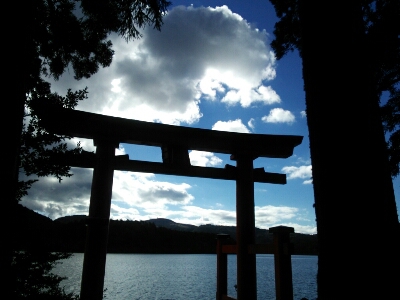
(245, 228)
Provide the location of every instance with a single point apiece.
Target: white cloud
(232, 126)
(303, 114)
(301, 172)
(250, 123)
(54, 199)
(141, 190)
(131, 190)
(265, 216)
(204, 159)
(122, 213)
(86, 144)
(306, 229)
(139, 196)
(279, 115)
(268, 216)
(200, 53)
(208, 87)
(248, 96)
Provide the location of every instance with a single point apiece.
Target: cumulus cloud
(232, 126)
(142, 190)
(246, 97)
(303, 114)
(54, 199)
(125, 213)
(204, 159)
(301, 172)
(279, 115)
(130, 190)
(274, 214)
(200, 54)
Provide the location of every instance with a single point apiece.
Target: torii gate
(175, 142)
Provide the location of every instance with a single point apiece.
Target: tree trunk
(11, 125)
(358, 228)
(12, 128)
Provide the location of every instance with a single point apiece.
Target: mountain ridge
(160, 235)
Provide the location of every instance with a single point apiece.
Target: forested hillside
(153, 236)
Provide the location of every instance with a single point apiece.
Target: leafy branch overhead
(65, 34)
(62, 33)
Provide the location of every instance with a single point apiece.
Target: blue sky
(210, 67)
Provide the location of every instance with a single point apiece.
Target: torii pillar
(245, 228)
(94, 261)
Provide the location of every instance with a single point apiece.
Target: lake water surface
(185, 277)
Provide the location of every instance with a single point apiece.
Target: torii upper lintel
(95, 126)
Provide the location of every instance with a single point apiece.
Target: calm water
(185, 277)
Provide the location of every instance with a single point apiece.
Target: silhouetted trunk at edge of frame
(358, 229)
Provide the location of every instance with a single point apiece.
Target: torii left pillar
(94, 261)
(245, 228)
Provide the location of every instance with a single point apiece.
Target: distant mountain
(303, 243)
(153, 236)
(33, 230)
(208, 228)
(70, 219)
(166, 223)
(30, 216)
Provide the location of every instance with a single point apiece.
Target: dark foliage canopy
(64, 35)
(33, 279)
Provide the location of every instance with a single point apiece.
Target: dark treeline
(67, 234)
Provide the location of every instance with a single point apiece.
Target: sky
(211, 66)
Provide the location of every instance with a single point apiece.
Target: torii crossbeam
(175, 142)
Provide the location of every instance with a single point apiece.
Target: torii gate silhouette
(175, 142)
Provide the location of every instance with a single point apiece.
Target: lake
(184, 276)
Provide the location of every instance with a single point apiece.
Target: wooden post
(245, 228)
(283, 262)
(222, 267)
(94, 262)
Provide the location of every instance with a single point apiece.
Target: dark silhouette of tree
(49, 37)
(33, 279)
(43, 153)
(40, 150)
(350, 55)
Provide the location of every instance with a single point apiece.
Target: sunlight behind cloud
(201, 53)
